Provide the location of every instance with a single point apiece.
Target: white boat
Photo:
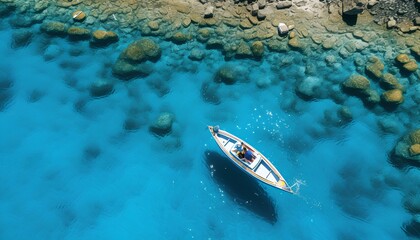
(260, 168)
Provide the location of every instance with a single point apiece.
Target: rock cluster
(130, 62)
(407, 150)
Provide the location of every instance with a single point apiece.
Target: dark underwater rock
(78, 33)
(401, 154)
(375, 67)
(101, 88)
(126, 70)
(356, 83)
(21, 38)
(132, 62)
(102, 38)
(163, 124)
(196, 54)
(142, 50)
(21, 22)
(54, 28)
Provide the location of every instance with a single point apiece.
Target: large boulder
(78, 33)
(375, 67)
(411, 66)
(226, 74)
(163, 124)
(54, 28)
(393, 97)
(229, 74)
(356, 83)
(404, 151)
(142, 50)
(402, 58)
(103, 38)
(389, 81)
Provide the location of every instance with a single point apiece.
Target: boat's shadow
(243, 189)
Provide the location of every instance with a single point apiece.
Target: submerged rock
(389, 81)
(163, 124)
(21, 38)
(54, 28)
(309, 88)
(180, 38)
(402, 58)
(226, 74)
(411, 66)
(356, 83)
(375, 67)
(126, 70)
(142, 50)
(102, 38)
(243, 50)
(196, 54)
(52, 52)
(405, 150)
(393, 97)
(257, 49)
(101, 88)
(78, 33)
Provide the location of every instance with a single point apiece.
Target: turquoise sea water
(70, 170)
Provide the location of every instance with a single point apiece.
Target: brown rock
(393, 97)
(375, 67)
(78, 16)
(104, 38)
(415, 137)
(78, 33)
(294, 42)
(257, 49)
(411, 66)
(389, 81)
(402, 58)
(414, 149)
(357, 82)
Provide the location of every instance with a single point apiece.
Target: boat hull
(261, 168)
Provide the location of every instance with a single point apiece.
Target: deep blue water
(69, 169)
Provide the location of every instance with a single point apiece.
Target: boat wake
(296, 186)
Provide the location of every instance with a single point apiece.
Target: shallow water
(69, 169)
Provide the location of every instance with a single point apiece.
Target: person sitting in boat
(249, 156)
(238, 148)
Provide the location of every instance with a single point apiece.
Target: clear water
(69, 169)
